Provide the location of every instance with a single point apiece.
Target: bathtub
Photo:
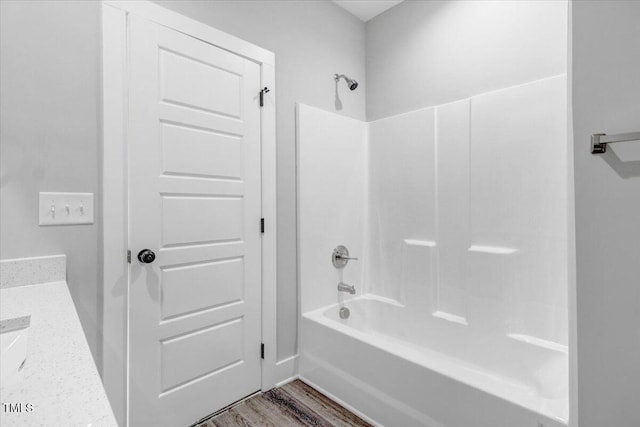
(399, 372)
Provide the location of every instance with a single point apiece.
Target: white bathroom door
(194, 201)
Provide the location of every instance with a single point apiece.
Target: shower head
(350, 82)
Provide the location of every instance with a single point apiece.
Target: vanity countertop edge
(60, 379)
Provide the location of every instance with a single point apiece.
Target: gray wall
(425, 53)
(312, 40)
(606, 98)
(49, 102)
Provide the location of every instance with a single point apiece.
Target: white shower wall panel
(402, 189)
(332, 202)
(467, 211)
(519, 202)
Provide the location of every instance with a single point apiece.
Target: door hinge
(261, 350)
(262, 92)
(129, 256)
(262, 225)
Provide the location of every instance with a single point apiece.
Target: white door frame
(113, 246)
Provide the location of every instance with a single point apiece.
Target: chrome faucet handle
(340, 256)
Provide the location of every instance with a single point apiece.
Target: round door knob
(146, 256)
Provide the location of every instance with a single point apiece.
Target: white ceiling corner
(366, 9)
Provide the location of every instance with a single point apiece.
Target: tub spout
(343, 287)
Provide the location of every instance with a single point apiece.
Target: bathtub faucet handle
(340, 256)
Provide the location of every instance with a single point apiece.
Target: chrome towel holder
(599, 141)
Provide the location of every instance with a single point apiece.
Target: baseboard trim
(287, 381)
(286, 370)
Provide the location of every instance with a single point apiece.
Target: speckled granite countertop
(60, 380)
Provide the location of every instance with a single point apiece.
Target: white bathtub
(400, 370)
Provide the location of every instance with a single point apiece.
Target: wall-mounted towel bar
(599, 141)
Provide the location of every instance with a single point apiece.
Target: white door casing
(195, 200)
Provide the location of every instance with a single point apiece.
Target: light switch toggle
(76, 208)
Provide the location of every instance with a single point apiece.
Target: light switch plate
(66, 208)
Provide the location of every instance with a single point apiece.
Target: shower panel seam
(436, 232)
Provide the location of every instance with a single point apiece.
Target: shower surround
(458, 214)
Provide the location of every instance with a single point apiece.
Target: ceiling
(366, 9)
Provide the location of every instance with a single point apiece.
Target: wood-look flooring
(293, 405)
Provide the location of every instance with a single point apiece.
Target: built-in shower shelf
(539, 342)
(494, 250)
(451, 317)
(415, 242)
